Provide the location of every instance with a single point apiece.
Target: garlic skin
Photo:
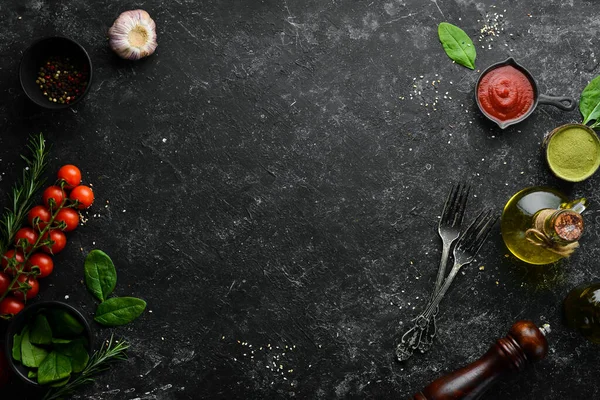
(133, 35)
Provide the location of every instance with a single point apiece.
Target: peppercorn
(60, 80)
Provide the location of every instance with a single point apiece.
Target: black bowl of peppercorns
(55, 72)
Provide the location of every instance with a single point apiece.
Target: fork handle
(446, 245)
(434, 303)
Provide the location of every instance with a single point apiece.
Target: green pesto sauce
(573, 153)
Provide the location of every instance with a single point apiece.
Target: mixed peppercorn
(61, 81)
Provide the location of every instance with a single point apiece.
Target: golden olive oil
(582, 311)
(517, 218)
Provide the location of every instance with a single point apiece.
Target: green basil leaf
(64, 324)
(457, 44)
(31, 355)
(76, 352)
(119, 310)
(589, 102)
(16, 349)
(41, 333)
(56, 367)
(100, 274)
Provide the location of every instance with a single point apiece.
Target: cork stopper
(568, 225)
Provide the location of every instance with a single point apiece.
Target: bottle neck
(560, 226)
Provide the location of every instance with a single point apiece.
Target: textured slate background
(270, 182)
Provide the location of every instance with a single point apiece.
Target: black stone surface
(270, 181)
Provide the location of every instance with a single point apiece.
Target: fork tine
(470, 234)
(448, 205)
(484, 232)
(461, 206)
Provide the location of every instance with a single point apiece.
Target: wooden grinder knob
(524, 343)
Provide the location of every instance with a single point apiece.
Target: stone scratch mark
(438, 7)
(400, 18)
(188, 31)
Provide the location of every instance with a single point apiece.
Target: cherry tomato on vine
(55, 193)
(59, 239)
(18, 256)
(31, 292)
(83, 195)
(69, 216)
(5, 280)
(70, 174)
(43, 262)
(27, 234)
(41, 213)
(11, 305)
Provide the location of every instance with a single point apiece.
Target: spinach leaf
(32, 374)
(457, 44)
(61, 383)
(56, 367)
(16, 349)
(60, 341)
(76, 352)
(119, 310)
(100, 274)
(31, 355)
(589, 102)
(64, 324)
(41, 333)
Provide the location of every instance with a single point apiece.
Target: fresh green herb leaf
(41, 333)
(589, 102)
(61, 341)
(22, 196)
(457, 44)
(61, 383)
(31, 355)
(110, 352)
(76, 352)
(56, 367)
(64, 324)
(119, 310)
(100, 274)
(16, 349)
(32, 374)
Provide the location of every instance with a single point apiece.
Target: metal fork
(449, 230)
(465, 251)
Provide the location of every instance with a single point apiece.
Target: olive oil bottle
(582, 311)
(539, 225)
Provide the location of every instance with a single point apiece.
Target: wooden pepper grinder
(524, 343)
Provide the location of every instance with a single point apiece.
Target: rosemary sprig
(111, 351)
(24, 190)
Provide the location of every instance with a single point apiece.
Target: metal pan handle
(563, 102)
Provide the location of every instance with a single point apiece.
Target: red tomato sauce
(505, 93)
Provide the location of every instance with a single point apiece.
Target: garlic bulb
(133, 35)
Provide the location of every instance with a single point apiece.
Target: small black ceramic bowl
(26, 316)
(38, 53)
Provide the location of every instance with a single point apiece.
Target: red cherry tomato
(83, 195)
(42, 214)
(55, 193)
(27, 234)
(69, 216)
(17, 255)
(11, 306)
(43, 262)
(70, 174)
(31, 292)
(5, 280)
(59, 241)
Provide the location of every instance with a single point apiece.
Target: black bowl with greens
(47, 343)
